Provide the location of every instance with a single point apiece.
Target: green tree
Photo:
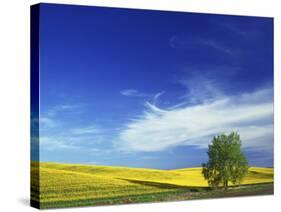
(226, 163)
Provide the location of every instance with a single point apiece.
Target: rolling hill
(63, 185)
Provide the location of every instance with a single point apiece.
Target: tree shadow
(166, 185)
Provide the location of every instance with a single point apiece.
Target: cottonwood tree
(226, 163)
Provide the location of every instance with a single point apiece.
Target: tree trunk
(225, 185)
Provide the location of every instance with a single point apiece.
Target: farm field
(65, 185)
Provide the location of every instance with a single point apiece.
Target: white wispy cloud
(248, 30)
(251, 114)
(72, 138)
(135, 93)
(48, 122)
(55, 143)
(216, 45)
(188, 42)
(49, 119)
(132, 92)
(157, 96)
(56, 134)
(62, 108)
(92, 129)
(200, 89)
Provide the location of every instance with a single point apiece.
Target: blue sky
(150, 89)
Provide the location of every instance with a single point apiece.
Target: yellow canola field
(72, 182)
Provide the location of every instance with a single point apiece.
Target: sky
(143, 88)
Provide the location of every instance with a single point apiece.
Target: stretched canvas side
(34, 97)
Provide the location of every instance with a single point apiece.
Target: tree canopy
(226, 163)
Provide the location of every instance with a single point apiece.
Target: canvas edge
(34, 102)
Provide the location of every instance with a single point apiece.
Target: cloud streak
(132, 92)
(49, 119)
(62, 108)
(251, 114)
(190, 42)
(201, 89)
(216, 45)
(86, 139)
(57, 134)
(93, 129)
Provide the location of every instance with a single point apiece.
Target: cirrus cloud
(157, 129)
(131, 92)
